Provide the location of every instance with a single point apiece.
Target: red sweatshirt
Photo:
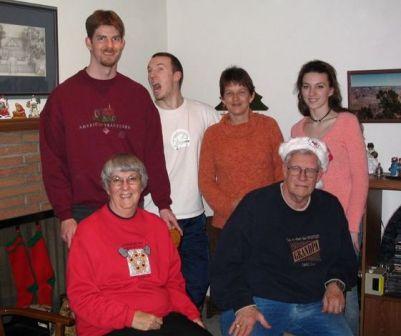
(105, 289)
(86, 121)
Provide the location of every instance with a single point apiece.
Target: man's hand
(168, 216)
(333, 299)
(67, 231)
(144, 321)
(245, 320)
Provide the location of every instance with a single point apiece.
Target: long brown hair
(320, 67)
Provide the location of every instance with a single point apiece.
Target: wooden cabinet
(380, 315)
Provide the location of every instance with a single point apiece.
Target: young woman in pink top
(319, 100)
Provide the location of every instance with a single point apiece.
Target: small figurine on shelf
(379, 170)
(394, 168)
(19, 111)
(4, 114)
(372, 158)
(399, 166)
(33, 106)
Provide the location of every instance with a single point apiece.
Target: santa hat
(313, 145)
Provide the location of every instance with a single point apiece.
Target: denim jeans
(194, 251)
(352, 308)
(298, 319)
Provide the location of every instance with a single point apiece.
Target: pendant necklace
(321, 119)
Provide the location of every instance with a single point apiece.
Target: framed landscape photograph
(375, 95)
(28, 49)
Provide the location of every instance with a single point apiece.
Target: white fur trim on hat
(314, 145)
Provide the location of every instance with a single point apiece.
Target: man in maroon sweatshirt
(94, 114)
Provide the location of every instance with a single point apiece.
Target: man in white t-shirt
(183, 123)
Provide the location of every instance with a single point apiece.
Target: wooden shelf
(384, 183)
(380, 315)
(11, 125)
(383, 297)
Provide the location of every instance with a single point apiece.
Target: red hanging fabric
(42, 267)
(21, 270)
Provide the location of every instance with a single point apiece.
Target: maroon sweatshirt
(86, 121)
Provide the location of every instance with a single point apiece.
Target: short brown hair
(175, 63)
(103, 18)
(238, 76)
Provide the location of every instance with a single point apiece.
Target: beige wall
(145, 24)
(272, 39)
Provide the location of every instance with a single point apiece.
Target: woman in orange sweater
(240, 153)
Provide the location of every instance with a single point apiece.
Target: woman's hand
(144, 321)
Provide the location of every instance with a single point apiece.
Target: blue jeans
(298, 319)
(194, 251)
(352, 308)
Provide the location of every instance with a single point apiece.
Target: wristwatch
(338, 282)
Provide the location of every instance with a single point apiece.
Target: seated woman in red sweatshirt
(124, 273)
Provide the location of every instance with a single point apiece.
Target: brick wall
(21, 187)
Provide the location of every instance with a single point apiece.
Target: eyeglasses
(310, 173)
(118, 181)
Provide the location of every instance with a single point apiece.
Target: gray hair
(302, 151)
(123, 162)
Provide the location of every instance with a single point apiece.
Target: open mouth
(126, 195)
(156, 88)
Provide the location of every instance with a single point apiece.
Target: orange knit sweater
(236, 159)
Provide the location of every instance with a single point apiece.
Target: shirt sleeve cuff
(340, 283)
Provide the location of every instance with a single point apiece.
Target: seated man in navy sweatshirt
(285, 256)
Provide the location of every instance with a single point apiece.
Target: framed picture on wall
(375, 95)
(28, 49)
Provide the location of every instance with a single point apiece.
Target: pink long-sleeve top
(347, 175)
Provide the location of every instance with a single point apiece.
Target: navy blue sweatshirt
(271, 251)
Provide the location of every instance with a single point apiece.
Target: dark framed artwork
(375, 95)
(28, 49)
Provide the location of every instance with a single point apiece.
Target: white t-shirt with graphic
(183, 130)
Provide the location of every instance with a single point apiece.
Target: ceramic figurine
(372, 158)
(4, 114)
(379, 170)
(33, 106)
(394, 167)
(399, 166)
(19, 112)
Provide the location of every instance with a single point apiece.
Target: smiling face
(297, 187)
(106, 46)
(162, 78)
(124, 190)
(237, 99)
(316, 91)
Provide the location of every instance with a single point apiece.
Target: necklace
(321, 119)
